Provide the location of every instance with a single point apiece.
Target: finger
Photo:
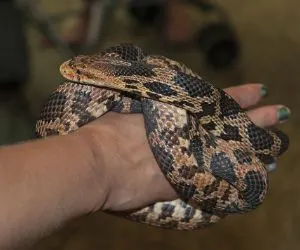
(247, 94)
(271, 167)
(267, 116)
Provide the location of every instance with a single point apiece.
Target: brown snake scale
(204, 143)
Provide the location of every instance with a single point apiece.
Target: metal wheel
(98, 12)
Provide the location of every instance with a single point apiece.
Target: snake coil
(202, 140)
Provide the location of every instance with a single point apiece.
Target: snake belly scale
(202, 140)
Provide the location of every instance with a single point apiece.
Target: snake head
(75, 70)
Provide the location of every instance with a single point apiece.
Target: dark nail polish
(264, 91)
(271, 167)
(283, 114)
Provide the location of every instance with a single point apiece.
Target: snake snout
(67, 71)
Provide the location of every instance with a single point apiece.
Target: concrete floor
(270, 40)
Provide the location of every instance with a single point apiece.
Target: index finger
(247, 95)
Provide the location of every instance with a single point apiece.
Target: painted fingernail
(264, 90)
(283, 114)
(271, 167)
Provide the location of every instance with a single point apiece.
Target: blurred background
(227, 42)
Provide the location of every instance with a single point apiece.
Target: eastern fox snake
(204, 143)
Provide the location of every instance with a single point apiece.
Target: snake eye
(78, 71)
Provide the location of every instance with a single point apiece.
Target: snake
(206, 146)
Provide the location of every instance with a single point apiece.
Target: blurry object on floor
(88, 32)
(219, 44)
(14, 64)
(146, 12)
(14, 75)
(215, 37)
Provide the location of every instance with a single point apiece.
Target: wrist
(100, 143)
(94, 170)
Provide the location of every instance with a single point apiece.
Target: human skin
(105, 165)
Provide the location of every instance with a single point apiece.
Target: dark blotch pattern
(164, 159)
(226, 194)
(150, 112)
(197, 148)
(265, 159)
(243, 157)
(188, 172)
(136, 106)
(153, 95)
(206, 219)
(160, 88)
(130, 81)
(255, 187)
(136, 69)
(283, 138)
(49, 132)
(54, 108)
(231, 133)
(211, 188)
(67, 125)
(193, 85)
(209, 126)
(185, 131)
(131, 86)
(167, 211)
(228, 105)
(189, 212)
(208, 109)
(186, 191)
(84, 98)
(210, 141)
(223, 167)
(181, 104)
(260, 139)
(209, 205)
(117, 107)
(80, 102)
(127, 51)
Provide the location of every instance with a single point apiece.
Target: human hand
(133, 177)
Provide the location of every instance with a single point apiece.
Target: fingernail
(271, 167)
(264, 90)
(283, 114)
